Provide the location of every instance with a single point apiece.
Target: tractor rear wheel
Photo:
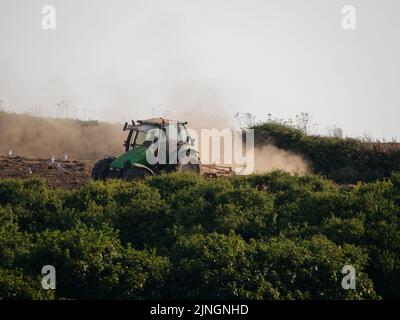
(101, 168)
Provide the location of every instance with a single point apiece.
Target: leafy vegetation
(272, 236)
(345, 160)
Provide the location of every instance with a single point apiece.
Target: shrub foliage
(272, 236)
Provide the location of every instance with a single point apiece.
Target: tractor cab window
(139, 137)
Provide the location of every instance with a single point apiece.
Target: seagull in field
(29, 170)
(65, 158)
(51, 161)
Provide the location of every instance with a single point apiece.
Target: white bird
(65, 158)
(10, 153)
(30, 171)
(51, 161)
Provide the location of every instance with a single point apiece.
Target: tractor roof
(153, 121)
(159, 121)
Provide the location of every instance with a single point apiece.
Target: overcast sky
(131, 59)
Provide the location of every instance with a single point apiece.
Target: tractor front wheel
(101, 168)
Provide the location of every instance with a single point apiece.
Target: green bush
(215, 266)
(271, 236)
(93, 264)
(16, 285)
(311, 269)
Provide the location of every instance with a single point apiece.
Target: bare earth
(60, 173)
(69, 174)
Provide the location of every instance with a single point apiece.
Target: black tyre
(101, 168)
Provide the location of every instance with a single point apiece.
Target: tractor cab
(146, 132)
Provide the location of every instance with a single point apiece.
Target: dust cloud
(270, 157)
(36, 137)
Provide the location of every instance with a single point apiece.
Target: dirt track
(60, 173)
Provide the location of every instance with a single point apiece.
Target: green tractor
(152, 146)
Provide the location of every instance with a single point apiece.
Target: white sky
(124, 58)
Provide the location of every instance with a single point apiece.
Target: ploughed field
(70, 174)
(57, 173)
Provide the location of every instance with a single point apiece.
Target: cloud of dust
(269, 157)
(39, 137)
